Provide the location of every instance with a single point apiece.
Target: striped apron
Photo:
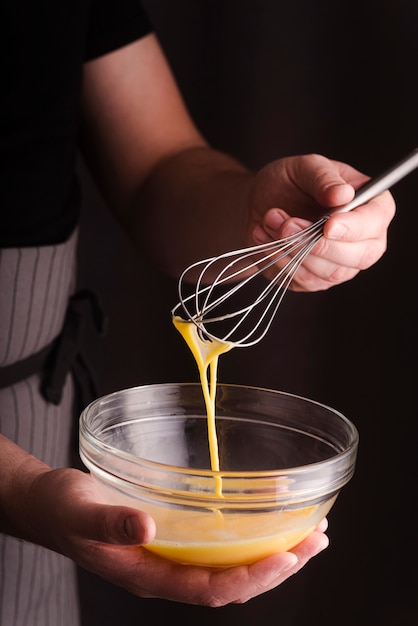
(37, 586)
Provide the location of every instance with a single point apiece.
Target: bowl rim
(89, 439)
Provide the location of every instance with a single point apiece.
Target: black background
(265, 79)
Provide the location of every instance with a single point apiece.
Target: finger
(328, 264)
(113, 524)
(315, 543)
(322, 526)
(334, 262)
(148, 575)
(367, 222)
(277, 224)
(329, 258)
(237, 585)
(324, 180)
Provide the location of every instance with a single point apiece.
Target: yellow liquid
(221, 540)
(228, 553)
(206, 354)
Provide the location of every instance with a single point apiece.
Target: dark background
(265, 79)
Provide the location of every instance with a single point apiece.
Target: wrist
(19, 471)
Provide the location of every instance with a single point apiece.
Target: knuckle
(372, 254)
(215, 602)
(341, 274)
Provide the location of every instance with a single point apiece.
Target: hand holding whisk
(229, 309)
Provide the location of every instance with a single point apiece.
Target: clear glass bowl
(283, 461)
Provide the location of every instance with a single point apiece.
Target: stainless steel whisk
(238, 307)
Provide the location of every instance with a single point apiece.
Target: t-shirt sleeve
(113, 24)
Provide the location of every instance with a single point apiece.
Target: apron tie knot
(66, 355)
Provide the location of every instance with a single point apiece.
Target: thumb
(325, 180)
(115, 524)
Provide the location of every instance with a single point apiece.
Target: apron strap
(14, 373)
(63, 355)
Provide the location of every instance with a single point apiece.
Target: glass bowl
(283, 461)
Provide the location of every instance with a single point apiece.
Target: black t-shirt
(45, 45)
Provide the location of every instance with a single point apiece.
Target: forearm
(193, 205)
(18, 472)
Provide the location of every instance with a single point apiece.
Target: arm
(180, 200)
(60, 510)
(156, 172)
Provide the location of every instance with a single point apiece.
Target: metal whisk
(239, 305)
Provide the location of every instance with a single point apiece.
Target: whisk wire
(299, 244)
(240, 267)
(278, 287)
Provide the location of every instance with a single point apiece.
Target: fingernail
(274, 219)
(336, 231)
(291, 229)
(260, 235)
(129, 527)
(324, 545)
(340, 186)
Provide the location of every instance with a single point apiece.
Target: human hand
(291, 193)
(69, 518)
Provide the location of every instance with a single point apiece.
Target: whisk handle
(384, 181)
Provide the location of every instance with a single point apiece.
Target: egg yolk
(206, 354)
